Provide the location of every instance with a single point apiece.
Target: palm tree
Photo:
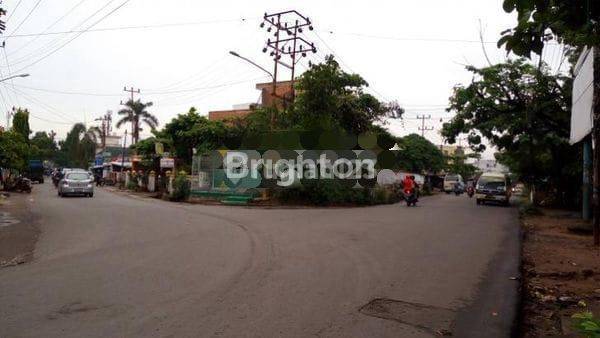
(79, 147)
(136, 114)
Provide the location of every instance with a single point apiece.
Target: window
(78, 176)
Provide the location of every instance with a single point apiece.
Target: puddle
(6, 219)
(434, 320)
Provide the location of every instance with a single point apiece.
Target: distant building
(113, 141)
(222, 115)
(490, 166)
(450, 150)
(283, 89)
(113, 148)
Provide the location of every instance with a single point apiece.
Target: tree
(13, 150)
(21, 123)
(573, 22)
(190, 130)
(329, 98)
(457, 164)
(418, 154)
(523, 111)
(43, 147)
(136, 114)
(79, 147)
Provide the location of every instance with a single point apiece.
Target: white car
(76, 183)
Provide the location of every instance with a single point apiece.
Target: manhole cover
(435, 320)
(6, 219)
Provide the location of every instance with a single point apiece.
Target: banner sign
(167, 162)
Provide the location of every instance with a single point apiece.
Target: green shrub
(334, 192)
(132, 185)
(181, 188)
(586, 324)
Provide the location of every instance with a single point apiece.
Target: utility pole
(295, 46)
(9, 115)
(422, 128)
(106, 126)
(123, 152)
(134, 126)
(596, 148)
(131, 91)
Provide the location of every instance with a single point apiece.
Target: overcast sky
(410, 51)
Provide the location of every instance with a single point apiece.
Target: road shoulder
(19, 230)
(494, 311)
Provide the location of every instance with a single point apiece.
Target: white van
(450, 180)
(493, 187)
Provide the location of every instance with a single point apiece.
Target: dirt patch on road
(561, 274)
(433, 320)
(18, 231)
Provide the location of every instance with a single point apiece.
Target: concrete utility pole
(422, 128)
(596, 148)
(133, 123)
(9, 115)
(132, 91)
(587, 179)
(123, 152)
(106, 126)
(292, 23)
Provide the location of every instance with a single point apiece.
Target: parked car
(450, 182)
(76, 183)
(493, 187)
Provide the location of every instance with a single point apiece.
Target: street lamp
(252, 62)
(14, 76)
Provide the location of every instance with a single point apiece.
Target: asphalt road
(119, 266)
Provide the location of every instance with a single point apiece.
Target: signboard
(203, 180)
(583, 97)
(159, 148)
(167, 162)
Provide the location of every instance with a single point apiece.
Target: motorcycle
(56, 177)
(99, 181)
(457, 189)
(410, 196)
(470, 191)
(20, 184)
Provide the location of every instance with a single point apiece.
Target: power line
(40, 103)
(133, 27)
(75, 37)
(416, 39)
(46, 107)
(49, 121)
(14, 10)
(197, 89)
(204, 72)
(186, 98)
(65, 92)
(26, 17)
(346, 65)
(12, 82)
(47, 28)
(56, 42)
